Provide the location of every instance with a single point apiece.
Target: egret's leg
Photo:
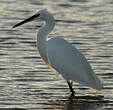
(70, 82)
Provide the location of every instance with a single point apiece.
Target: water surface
(25, 80)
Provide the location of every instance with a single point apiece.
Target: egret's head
(44, 13)
(40, 15)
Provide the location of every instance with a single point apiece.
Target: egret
(61, 56)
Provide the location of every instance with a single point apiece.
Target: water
(26, 82)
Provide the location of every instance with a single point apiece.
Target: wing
(69, 62)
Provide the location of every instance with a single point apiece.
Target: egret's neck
(43, 35)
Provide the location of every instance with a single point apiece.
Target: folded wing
(69, 62)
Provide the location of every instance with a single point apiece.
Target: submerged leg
(70, 87)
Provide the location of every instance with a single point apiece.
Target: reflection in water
(80, 103)
(83, 104)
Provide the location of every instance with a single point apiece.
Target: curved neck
(43, 35)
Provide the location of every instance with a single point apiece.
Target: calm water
(26, 82)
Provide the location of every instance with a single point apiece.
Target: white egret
(62, 56)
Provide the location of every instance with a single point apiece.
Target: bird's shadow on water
(81, 103)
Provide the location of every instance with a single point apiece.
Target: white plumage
(62, 56)
(71, 63)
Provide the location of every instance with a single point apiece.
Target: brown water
(26, 82)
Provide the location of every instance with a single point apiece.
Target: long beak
(27, 20)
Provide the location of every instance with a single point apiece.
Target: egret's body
(62, 56)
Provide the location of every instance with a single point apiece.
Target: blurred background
(25, 80)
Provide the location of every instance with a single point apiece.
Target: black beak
(27, 20)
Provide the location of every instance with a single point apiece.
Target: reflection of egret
(62, 56)
(83, 103)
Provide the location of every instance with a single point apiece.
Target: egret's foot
(70, 87)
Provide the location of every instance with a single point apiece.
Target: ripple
(26, 83)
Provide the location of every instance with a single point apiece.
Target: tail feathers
(97, 85)
(94, 83)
